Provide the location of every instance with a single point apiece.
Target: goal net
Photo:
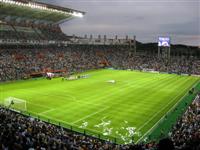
(15, 104)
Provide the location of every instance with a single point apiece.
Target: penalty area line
(44, 112)
(101, 110)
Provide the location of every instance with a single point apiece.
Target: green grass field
(137, 100)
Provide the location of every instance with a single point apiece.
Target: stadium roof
(37, 12)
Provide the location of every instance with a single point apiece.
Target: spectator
(21, 63)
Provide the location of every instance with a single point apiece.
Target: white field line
(106, 96)
(52, 109)
(163, 115)
(123, 88)
(72, 124)
(70, 95)
(28, 102)
(44, 112)
(90, 115)
(38, 105)
(158, 112)
(75, 125)
(79, 101)
(116, 91)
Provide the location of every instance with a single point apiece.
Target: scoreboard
(164, 41)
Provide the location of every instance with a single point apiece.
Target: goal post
(15, 104)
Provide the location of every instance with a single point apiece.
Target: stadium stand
(186, 133)
(24, 63)
(32, 43)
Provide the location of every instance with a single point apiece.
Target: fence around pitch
(76, 129)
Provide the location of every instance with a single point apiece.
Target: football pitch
(125, 110)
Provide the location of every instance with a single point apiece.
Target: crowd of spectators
(186, 133)
(123, 59)
(21, 63)
(26, 133)
(21, 132)
(9, 32)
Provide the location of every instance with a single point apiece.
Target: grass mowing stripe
(163, 108)
(113, 93)
(61, 96)
(47, 111)
(186, 89)
(135, 97)
(126, 88)
(101, 110)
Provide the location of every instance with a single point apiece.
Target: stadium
(69, 92)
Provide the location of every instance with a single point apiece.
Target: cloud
(144, 18)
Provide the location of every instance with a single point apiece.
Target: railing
(73, 128)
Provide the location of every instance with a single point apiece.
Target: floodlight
(42, 7)
(77, 14)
